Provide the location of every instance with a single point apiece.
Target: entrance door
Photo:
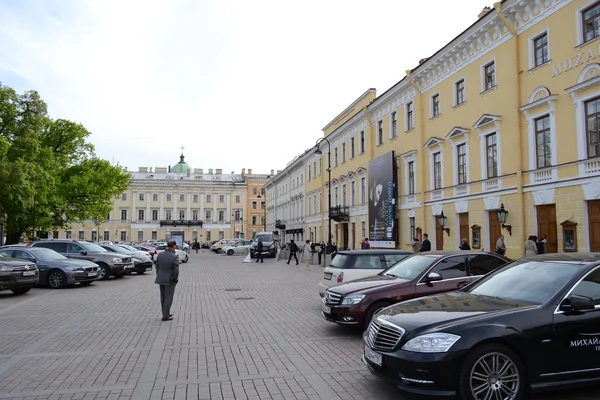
(495, 228)
(354, 235)
(344, 228)
(546, 226)
(463, 223)
(439, 235)
(594, 224)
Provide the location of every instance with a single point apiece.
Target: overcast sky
(239, 83)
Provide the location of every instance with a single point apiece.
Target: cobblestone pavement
(240, 331)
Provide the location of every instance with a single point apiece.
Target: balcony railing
(592, 167)
(181, 222)
(340, 213)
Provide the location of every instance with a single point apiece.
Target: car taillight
(340, 278)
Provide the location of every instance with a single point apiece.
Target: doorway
(354, 235)
(344, 233)
(546, 226)
(439, 235)
(494, 228)
(594, 224)
(463, 226)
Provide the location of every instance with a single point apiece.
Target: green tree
(49, 174)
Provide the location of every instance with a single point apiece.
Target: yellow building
(505, 115)
(256, 205)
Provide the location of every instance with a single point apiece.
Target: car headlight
(78, 269)
(271, 247)
(353, 299)
(117, 260)
(431, 343)
(5, 269)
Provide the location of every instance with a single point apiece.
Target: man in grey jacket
(167, 275)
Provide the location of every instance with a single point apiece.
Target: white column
(228, 202)
(147, 216)
(201, 196)
(215, 214)
(161, 212)
(188, 213)
(175, 200)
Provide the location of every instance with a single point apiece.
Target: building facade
(257, 202)
(162, 202)
(505, 117)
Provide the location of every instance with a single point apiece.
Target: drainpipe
(421, 152)
(518, 142)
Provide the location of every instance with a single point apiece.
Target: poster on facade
(382, 201)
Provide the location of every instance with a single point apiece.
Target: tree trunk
(13, 233)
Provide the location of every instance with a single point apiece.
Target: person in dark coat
(259, 250)
(426, 245)
(293, 251)
(365, 244)
(464, 245)
(167, 276)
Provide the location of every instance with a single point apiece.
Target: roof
(371, 251)
(583, 258)
(181, 167)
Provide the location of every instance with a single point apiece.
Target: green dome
(181, 167)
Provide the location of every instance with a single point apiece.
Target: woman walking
(530, 247)
(306, 253)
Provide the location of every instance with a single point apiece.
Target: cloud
(240, 84)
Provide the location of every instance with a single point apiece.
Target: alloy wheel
(494, 376)
(55, 280)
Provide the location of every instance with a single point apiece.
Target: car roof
(580, 258)
(453, 252)
(371, 251)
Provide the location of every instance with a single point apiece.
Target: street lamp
(319, 152)
(502, 216)
(443, 220)
(265, 215)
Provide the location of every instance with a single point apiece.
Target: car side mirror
(33, 259)
(433, 277)
(83, 252)
(577, 303)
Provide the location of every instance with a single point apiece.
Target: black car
(532, 324)
(17, 275)
(142, 261)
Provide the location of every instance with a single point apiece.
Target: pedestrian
(530, 246)
(293, 250)
(541, 245)
(426, 245)
(259, 250)
(197, 246)
(464, 245)
(365, 244)
(167, 276)
(500, 246)
(307, 253)
(321, 251)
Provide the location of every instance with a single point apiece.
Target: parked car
(17, 275)
(147, 248)
(206, 245)
(532, 324)
(355, 302)
(181, 255)
(110, 263)
(218, 246)
(239, 247)
(270, 243)
(55, 270)
(142, 261)
(356, 264)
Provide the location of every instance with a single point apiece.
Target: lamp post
(502, 216)
(265, 215)
(319, 152)
(443, 220)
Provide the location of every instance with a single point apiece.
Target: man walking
(426, 245)
(259, 250)
(365, 244)
(293, 251)
(167, 276)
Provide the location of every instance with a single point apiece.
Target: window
(435, 105)
(589, 287)
(208, 198)
(309, 167)
(352, 147)
(106, 235)
(592, 127)
(459, 88)
(353, 193)
(140, 215)
(208, 215)
(591, 23)
(315, 166)
(154, 215)
(343, 152)
(363, 190)
(221, 198)
(336, 196)
(543, 141)
(195, 198)
(491, 155)
(263, 205)
(195, 215)
(410, 118)
(363, 229)
(68, 233)
(362, 143)
(141, 197)
(394, 130)
(451, 268)
(262, 191)
(123, 236)
(124, 197)
(181, 215)
(344, 195)
(168, 197)
(461, 154)
(335, 157)
(254, 205)
(412, 232)
(181, 197)
(155, 197)
(437, 171)
(489, 77)
(482, 264)
(123, 215)
(391, 259)
(237, 199)
(368, 262)
(254, 219)
(221, 215)
(168, 215)
(254, 191)
(380, 132)
(154, 235)
(140, 236)
(81, 235)
(411, 177)
(540, 50)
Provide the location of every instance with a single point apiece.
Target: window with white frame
(140, 236)
(409, 116)
(362, 143)
(123, 236)
(412, 232)
(344, 195)
(254, 205)
(592, 125)
(154, 215)
(155, 197)
(94, 236)
(461, 163)
(68, 235)
(168, 215)
(335, 157)
(182, 197)
(195, 215)
(208, 215)
(141, 196)
(352, 147)
(435, 105)
(315, 203)
(410, 171)
(363, 230)
(154, 235)
(237, 199)
(124, 197)
(488, 76)
(380, 133)
(353, 193)
(221, 215)
(140, 215)
(363, 191)
(221, 198)
(491, 155)
(437, 171)
(254, 219)
(336, 196)
(123, 215)
(540, 50)
(181, 215)
(195, 198)
(590, 20)
(394, 125)
(344, 152)
(543, 141)
(208, 198)
(320, 201)
(459, 92)
(81, 235)
(106, 236)
(169, 197)
(309, 173)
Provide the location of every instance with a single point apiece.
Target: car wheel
(57, 279)
(103, 272)
(492, 371)
(20, 290)
(186, 259)
(86, 283)
(374, 309)
(230, 252)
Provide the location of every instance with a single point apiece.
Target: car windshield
(264, 238)
(92, 248)
(46, 254)
(121, 250)
(410, 267)
(525, 281)
(161, 247)
(127, 247)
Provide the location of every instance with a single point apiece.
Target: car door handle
(461, 284)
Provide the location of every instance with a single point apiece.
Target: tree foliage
(50, 176)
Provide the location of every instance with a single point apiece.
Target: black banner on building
(382, 201)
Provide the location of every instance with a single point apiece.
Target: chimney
(210, 171)
(143, 169)
(422, 60)
(483, 12)
(219, 171)
(272, 171)
(249, 171)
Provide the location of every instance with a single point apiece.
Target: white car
(241, 247)
(350, 265)
(182, 255)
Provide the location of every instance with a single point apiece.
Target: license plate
(327, 275)
(149, 269)
(129, 266)
(375, 358)
(28, 273)
(92, 274)
(325, 309)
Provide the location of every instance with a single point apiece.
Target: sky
(237, 83)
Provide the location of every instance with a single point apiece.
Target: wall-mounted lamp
(442, 220)
(502, 217)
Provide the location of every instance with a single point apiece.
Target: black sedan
(533, 324)
(56, 270)
(142, 261)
